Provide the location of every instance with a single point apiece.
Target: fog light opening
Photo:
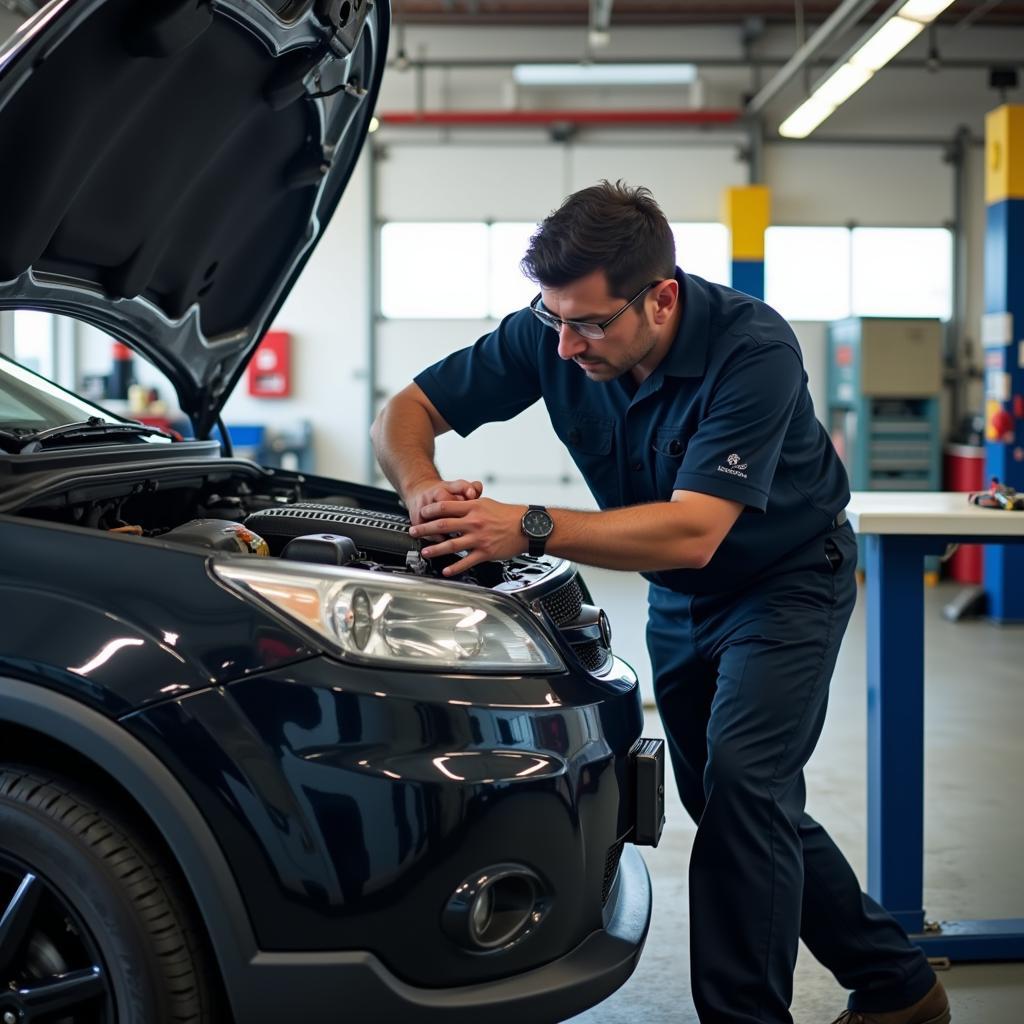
(495, 908)
(501, 910)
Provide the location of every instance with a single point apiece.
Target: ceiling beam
(848, 13)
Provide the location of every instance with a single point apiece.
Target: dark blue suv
(259, 761)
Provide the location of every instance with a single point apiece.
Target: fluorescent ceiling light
(841, 85)
(837, 88)
(805, 119)
(889, 40)
(923, 10)
(604, 74)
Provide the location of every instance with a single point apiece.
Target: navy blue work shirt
(726, 412)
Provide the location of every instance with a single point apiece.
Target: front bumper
(352, 805)
(328, 988)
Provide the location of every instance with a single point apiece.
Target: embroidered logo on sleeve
(735, 467)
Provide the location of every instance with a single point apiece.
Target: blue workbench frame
(895, 653)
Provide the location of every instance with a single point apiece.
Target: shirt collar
(688, 355)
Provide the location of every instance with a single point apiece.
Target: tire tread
(185, 986)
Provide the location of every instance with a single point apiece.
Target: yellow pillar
(746, 212)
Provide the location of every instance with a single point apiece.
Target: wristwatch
(537, 525)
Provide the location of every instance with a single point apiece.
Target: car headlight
(414, 623)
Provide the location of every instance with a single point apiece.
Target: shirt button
(574, 436)
(637, 467)
(675, 446)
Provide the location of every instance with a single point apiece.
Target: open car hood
(169, 165)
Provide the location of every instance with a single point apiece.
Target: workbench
(900, 529)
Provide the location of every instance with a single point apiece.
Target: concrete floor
(974, 827)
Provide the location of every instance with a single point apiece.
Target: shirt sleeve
(738, 443)
(494, 379)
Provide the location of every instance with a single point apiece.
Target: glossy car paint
(354, 812)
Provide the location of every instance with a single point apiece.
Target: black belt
(838, 521)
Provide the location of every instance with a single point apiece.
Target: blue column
(1003, 340)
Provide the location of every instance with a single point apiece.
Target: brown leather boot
(932, 1009)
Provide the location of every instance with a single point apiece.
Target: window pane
(703, 249)
(33, 340)
(807, 272)
(509, 288)
(434, 270)
(902, 272)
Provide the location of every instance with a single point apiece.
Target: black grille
(565, 603)
(592, 656)
(611, 865)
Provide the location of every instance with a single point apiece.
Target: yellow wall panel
(746, 212)
(1004, 153)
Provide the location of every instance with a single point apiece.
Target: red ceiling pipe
(625, 118)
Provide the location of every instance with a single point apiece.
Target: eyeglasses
(584, 328)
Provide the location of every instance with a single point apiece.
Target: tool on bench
(998, 496)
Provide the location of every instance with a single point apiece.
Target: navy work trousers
(742, 684)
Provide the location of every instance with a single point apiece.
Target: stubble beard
(604, 370)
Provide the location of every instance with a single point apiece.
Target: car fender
(168, 807)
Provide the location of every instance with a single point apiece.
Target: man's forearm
(403, 441)
(639, 538)
(680, 534)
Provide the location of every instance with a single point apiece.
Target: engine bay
(276, 515)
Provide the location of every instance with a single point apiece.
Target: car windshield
(30, 403)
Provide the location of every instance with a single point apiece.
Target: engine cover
(371, 531)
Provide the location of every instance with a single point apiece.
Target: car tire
(84, 895)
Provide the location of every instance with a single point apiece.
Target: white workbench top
(929, 512)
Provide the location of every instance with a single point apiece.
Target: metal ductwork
(846, 15)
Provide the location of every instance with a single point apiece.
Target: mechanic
(685, 406)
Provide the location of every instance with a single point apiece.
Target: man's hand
(487, 530)
(433, 491)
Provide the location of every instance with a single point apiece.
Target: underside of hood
(168, 166)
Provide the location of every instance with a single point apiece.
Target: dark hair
(615, 228)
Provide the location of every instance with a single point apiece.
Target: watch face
(537, 524)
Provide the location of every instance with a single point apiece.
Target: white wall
(526, 180)
(871, 185)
